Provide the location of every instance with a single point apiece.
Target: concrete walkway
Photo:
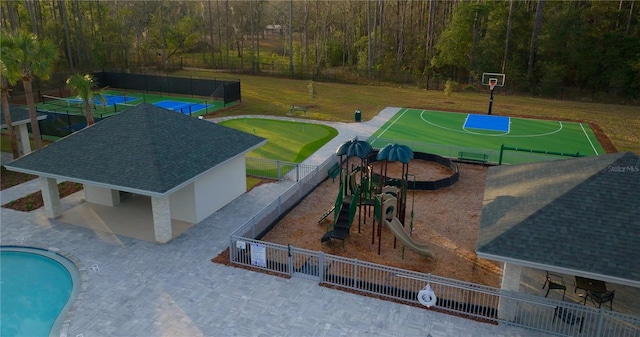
(137, 288)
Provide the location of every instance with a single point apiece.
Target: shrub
(450, 86)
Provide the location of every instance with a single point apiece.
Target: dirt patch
(447, 219)
(10, 178)
(34, 201)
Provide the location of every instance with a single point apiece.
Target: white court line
(390, 125)
(589, 139)
(489, 135)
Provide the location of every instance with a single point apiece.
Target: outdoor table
(588, 284)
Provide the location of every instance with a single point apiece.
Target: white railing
(454, 296)
(277, 169)
(466, 299)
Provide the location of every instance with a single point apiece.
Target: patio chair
(567, 316)
(554, 282)
(600, 298)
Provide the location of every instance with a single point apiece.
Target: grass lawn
(337, 102)
(286, 141)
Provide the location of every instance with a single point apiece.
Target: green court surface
(449, 133)
(118, 101)
(286, 140)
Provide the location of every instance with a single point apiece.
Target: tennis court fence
(474, 301)
(223, 90)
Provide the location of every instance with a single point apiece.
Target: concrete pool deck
(139, 288)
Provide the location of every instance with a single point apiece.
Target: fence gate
(305, 264)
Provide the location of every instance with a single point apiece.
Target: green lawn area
(286, 141)
(264, 95)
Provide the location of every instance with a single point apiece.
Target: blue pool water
(35, 291)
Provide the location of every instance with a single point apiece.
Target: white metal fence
(277, 169)
(454, 296)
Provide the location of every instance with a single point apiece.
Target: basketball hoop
(492, 83)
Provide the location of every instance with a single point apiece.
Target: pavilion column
(161, 219)
(22, 135)
(510, 283)
(51, 197)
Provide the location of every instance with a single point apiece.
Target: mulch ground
(446, 219)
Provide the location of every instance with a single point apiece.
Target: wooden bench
(295, 108)
(473, 156)
(333, 171)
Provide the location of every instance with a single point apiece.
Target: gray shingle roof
(19, 115)
(145, 148)
(578, 214)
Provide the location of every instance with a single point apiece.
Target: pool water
(34, 292)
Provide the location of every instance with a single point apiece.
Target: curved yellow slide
(395, 226)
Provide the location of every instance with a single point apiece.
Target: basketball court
(485, 137)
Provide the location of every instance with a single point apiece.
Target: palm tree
(7, 78)
(31, 57)
(86, 88)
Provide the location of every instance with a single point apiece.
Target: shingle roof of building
(144, 149)
(19, 115)
(580, 215)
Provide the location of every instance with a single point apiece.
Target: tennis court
(117, 101)
(186, 108)
(66, 114)
(454, 134)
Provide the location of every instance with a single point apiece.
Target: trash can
(358, 116)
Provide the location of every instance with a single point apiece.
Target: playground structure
(385, 214)
(360, 190)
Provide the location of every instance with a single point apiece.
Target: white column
(161, 219)
(22, 135)
(51, 197)
(510, 282)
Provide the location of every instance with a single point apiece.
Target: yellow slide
(395, 226)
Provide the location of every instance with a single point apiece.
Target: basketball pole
(490, 100)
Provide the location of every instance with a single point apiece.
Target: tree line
(583, 44)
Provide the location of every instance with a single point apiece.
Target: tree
(458, 43)
(534, 38)
(31, 57)
(7, 78)
(87, 90)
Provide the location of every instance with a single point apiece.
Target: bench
(333, 171)
(568, 317)
(473, 156)
(294, 108)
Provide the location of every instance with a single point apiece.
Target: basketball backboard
(487, 78)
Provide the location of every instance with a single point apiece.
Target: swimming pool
(38, 288)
